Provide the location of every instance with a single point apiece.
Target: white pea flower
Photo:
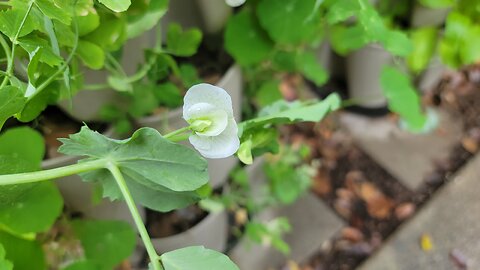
(208, 110)
(235, 3)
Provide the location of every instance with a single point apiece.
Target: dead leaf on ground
(470, 144)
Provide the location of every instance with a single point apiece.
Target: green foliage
(403, 98)
(245, 40)
(160, 174)
(270, 233)
(289, 22)
(196, 257)
(116, 5)
(437, 3)
(311, 68)
(4, 263)
(183, 43)
(268, 93)
(11, 102)
(17, 249)
(144, 21)
(460, 44)
(424, 45)
(105, 243)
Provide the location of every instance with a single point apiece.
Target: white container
(77, 194)
(219, 169)
(211, 232)
(364, 67)
(424, 16)
(432, 75)
(215, 14)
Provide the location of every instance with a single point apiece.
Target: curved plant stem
(117, 174)
(14, 45)
(31, 177)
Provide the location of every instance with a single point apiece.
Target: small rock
(345, 194)
(321, 183)
(404, 210)
(352, 234)
(380, 207)
(458, 258)
(343, 207)
(360, 249)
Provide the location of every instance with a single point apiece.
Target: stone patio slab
(408, 157)
(312, 224)
(451, 219)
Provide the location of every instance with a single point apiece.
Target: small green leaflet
(10, 21)
(116, 5)
(139, 23)
(11, 102)
(183, 43)
(17, 249)
(160, 174)
(198, 258)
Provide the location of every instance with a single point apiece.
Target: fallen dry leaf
(404, 210)
(426, 242)
(470, 144)
(352, 234)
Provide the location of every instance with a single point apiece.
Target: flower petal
(207, 93)
(221, 146)
(235, 3)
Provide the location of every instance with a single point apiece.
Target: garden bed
(368, 198)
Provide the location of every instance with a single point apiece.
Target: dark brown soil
(173, 222)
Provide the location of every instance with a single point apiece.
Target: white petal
(221, 146)
(205, 111)
(207, 93)
(235, 3)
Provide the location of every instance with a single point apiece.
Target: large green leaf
(402, 97)
(183, 43)
(105, 243)
(151, 165)
(289, 22)
(116, 5)
(198, 258)
(245, 40)
(110, 34)
(31, 42)
(4, 263)
(139, 23)
(340, 10)
(11, 20)
(11, 102)
(24, 254)
(52, 10)
(35, 211)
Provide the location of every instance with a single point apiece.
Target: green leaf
(18, 249)
(189, 75)
(119, 83)
(284, 112)
(198, 258)
(32, 148)
(110, 35)
(285, 61)
(168, 94)
(290, 22)
(437, 3)
(53, 11)
(245, 40)
(116, 5)
(310, 67)
(347, 39)
(4, 263)
(269, 232)
(88, 22)
(10, 21)
(39, 102)
(11, 102)
(183, 43)
(143, 100)
(106, 243)
(156, 170)
(402, 97)
(341, 10)
(268, 93)
(424, 42)
(91, 54)
(244, 152)
(397, 43)
(35, 211)
(140, 23)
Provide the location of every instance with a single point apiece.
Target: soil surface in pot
(371, 201)
(53, 124)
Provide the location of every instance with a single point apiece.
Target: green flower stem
(154, 258)
(6, 48)
(31, 177)
(14, 45)
(176, 132)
